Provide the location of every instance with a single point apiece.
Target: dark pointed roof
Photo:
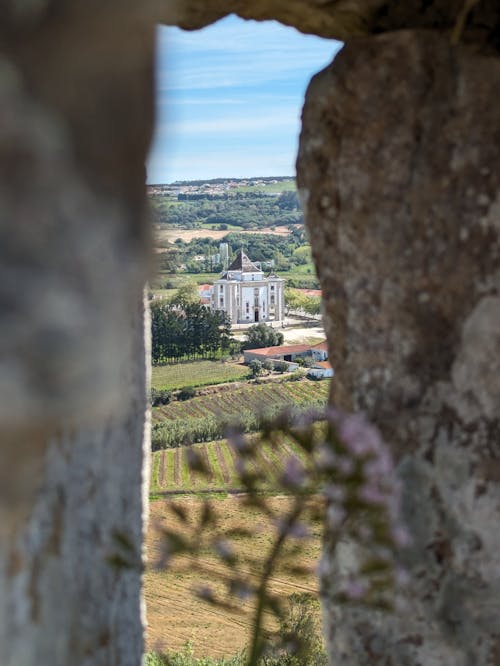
(243, 263)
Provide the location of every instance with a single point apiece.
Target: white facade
(247, 296)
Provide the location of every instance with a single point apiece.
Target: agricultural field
(205, 417)
(171, 234)
(176, 616)
(287, 185)
(171, 472)
(196, 373)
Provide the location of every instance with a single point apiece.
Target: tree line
(246, 210)
(186, 331)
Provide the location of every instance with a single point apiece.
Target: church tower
(247, 296)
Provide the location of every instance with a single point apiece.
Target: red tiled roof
(269, 351)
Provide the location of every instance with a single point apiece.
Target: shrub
(296, 375)
(262, 335)
(280, 366)
(160, 397)
(186, 393)
(268, 365)
(299, 640)
(255, 367)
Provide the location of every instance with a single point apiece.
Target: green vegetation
(283, 185)
(205, 418)
(182, 330)
(186, 658)
(298, 301)
(196, 374)
(252, 206)
(284, 252)
(262, 335)
(247, 210)
(171, 473)
(343, 477)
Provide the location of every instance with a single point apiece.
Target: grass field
(175, 616)
(171, 473)
(196, 373)
(171, 234)
(164, 293)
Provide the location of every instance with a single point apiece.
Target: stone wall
(75, 123)
(399, 175)
(399, 172)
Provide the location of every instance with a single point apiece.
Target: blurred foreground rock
(400, 174)
(75, 123)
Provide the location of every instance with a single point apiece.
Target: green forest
(248, 210)
(248, 218)
(283, 251)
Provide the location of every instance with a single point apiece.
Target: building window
(222, 300)
(221, 288)
(247, 307)
(272, 299)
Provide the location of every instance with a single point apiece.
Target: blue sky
(229, 99)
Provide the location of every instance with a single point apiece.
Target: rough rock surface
(400, 176)
(344, 19)
(75, 121)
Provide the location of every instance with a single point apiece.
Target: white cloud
(229, 99)
(228, 124)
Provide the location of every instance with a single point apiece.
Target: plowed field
(176, 616)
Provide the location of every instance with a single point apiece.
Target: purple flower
(401, 537)
(237, 440)
(402, 577)
(299, 531)
(360, 438)
(294, 473)
(334, 493)
(326, 458)
(345, 465)
(335, 516)
(373, 495)
(223, 549)
(355, 589)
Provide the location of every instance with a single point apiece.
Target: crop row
(171, 472)
(205, 418)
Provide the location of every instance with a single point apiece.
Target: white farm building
(247, 296)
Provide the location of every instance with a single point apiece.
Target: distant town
(218, 186)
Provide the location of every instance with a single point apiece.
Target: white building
(247, 296)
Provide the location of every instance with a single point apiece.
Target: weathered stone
(400, 176)
(343, 19)
(75, 124)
